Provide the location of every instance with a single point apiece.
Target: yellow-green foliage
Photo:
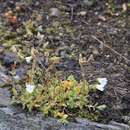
(8, 37)
(60, 98)
(29, 27)
(55, 97)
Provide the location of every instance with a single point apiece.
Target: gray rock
(24, 121)
(5, 99)
(54, 12)
(120, 125)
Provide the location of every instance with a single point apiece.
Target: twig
(107, 46)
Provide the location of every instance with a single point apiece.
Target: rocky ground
(15, 119)
(67, 29)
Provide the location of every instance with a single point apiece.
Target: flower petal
(29, 88)
(102, 83)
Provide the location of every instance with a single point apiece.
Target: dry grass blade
(107, 46)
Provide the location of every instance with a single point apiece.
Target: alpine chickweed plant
(62, 99)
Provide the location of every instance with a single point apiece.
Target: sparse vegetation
(51, 55)
(63, 99)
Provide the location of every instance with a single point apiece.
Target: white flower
(40, 36)
(30, 88)
(102, 83)
(28, 59)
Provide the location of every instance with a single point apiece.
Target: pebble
(89, 3)
(102, 18)
(54, 12)
(82, 13)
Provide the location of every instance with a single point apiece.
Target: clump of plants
(63, 99)
(8, 38)
(115, 6)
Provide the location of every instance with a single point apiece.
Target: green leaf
(101, 107)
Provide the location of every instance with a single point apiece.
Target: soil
(85, 29)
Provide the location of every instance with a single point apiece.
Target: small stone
(39, 18)
(82, 13)
(99, 23)
(54, 12)
(102, 18)
(89, 3)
